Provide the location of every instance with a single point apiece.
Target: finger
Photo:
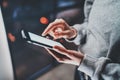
(55, 56)
(53, 25)
(66, 61)
(57, 29)
(63, 34)
(62, 51)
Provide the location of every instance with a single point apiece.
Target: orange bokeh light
(11, 37)
(44, 20)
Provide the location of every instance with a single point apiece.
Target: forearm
(100, 68)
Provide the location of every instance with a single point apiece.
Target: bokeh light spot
(44, 20)
(11, 37)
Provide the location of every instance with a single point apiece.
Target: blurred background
(30, 61)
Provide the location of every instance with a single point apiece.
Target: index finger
(52, 26)
(62, 50)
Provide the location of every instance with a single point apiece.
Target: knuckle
(62, 21)
(56, 19)
(51, 24)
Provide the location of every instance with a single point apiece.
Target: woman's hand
(60, 29)
(70, 56)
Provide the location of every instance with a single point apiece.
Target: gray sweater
(99, 39)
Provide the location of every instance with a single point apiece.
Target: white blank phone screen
(43, 40)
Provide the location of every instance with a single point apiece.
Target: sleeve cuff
(80, 33)
(91, 66)
(76, 40)
(87, 65)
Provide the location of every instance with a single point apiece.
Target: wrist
(80, 59)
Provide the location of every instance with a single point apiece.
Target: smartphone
(39, 40)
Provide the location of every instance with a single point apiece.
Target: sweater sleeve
(81, 32)
(81, 28)
(100, 68)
